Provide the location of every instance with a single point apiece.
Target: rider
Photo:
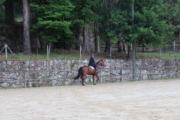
(92, 62)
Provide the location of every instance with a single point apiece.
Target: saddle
(92, 67)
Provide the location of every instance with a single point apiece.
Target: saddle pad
(92, 67)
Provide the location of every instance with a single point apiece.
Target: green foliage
(152, 25)
(73, 64)
(2, 1)
(155, 21)
(2, 16)
(115, 19)
(174, 15)
(53, 19)
(34, 85)
(84, 13)
(85, 10)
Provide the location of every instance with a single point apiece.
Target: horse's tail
(79, 73)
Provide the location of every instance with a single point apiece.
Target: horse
(89, 70)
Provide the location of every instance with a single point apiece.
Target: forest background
(60, 23)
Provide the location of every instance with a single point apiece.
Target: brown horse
(88, 70)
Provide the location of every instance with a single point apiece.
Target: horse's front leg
(97, 78)
(94, 82)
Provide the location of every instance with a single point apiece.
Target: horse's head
(101, 63)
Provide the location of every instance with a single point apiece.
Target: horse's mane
(99, 61)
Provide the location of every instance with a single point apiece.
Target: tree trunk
(26, 24)
(124, 47)
(85, 47)
(119, 47)
(143, 48)
(97, 40)
(129, 51)
(108, 45)
(9, 12)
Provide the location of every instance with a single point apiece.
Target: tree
(9, 12)
(26, 25)
(53, 19)
(104, 12)
(85, 10)
(151, 25)
(109, 30)
(174, 15)
(2, 1)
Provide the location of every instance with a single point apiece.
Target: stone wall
(61, 72)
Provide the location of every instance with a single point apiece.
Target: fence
(173, 50)
(53, 72)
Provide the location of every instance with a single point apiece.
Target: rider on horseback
(92, 62)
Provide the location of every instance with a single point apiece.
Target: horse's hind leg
(83, 81)
(94, 82)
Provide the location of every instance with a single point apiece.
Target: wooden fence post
(25, 76)
(65, 63)
(174, 70)
(121, 75)
(100, 75)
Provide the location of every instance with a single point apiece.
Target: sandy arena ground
(141, 100)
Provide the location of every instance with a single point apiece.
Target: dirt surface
(141, 100)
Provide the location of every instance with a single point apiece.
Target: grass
(74, 55)
(158, 55)
(43, 56)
